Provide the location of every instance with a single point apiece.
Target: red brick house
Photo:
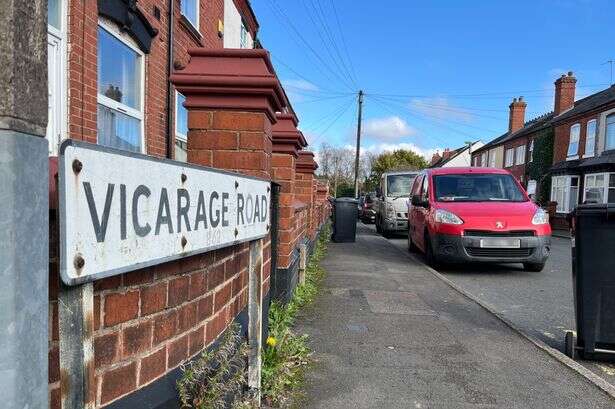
(584, 155)
(514, 149)
(109, 64)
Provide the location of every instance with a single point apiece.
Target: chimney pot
(570, 73)
(516, 117)
(521, 98)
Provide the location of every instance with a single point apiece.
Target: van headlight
(390, 210)
(540, 217)
(446, 217)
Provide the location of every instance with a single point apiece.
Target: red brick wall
(283, 168)
(518, 171)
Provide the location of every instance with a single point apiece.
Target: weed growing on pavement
(286, 354)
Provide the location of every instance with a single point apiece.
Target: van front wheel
(535, 267)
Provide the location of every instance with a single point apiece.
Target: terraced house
(514, 150)
(584, 150)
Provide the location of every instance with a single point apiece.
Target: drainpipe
(170, 99)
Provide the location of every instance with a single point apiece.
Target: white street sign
(121, 211)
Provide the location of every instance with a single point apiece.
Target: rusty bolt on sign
(236, 232)
(184, 177)
(236, 184)
(78, 262)
(184, 242)
(77, 166)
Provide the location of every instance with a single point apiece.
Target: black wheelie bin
(344, 220)
(593, 278)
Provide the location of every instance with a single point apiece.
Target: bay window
(120, 90)
(510, 158)
(590, 138)
(610, 132)
(520, 155)
(565, 191)
(599, 188)
(573, 144)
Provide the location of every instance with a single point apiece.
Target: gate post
(24, 213)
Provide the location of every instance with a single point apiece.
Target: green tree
(400, 159)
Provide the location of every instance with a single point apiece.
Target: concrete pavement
(388, 334)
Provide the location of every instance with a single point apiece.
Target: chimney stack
(435, 158)
(516, 118)
(565, 88)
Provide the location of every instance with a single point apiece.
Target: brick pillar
(287, 141)
(305, 168)
(232, 96)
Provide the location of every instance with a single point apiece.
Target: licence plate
(500, 243)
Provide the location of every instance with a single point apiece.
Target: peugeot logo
(499, 225)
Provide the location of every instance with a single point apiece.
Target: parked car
(367, 214)
(391, 203)
(476, 214)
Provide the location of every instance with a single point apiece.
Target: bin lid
(606, 209)
(346, 200)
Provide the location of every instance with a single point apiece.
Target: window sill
(191, 29)
(575, 157)
(588, 156)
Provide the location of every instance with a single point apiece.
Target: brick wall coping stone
(231, 79)
(306, 162)
(286, 137)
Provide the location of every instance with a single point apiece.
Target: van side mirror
(378, 192)
(417, 200)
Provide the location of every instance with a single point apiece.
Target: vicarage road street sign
(121, 211)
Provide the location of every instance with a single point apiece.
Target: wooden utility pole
(356, 159)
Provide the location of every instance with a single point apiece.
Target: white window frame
(118, 106)
(566, 187)
(195, 24)
(520, 155)
(484, 157)
(587, 139)
(573, 155)
(531, 152)
(475, 164)
(606, 131)
(492, 155)
(606, 187)
(178, 134)
(59, 36)
(509, 160)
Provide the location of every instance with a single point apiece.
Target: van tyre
(535, 267)
(378, 228)
(430, 257)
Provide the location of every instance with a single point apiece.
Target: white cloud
(440, 108)
(390, 147)
(388, 128)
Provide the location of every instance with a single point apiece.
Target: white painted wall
(464, 158)
(232, 27)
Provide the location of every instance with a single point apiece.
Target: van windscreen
(399, 185)
(477, 188)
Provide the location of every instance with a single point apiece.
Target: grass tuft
(286, 354)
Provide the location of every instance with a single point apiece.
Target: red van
(476, 214)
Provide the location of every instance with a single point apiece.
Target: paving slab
(388, 334)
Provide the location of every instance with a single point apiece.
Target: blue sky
(436, 73)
